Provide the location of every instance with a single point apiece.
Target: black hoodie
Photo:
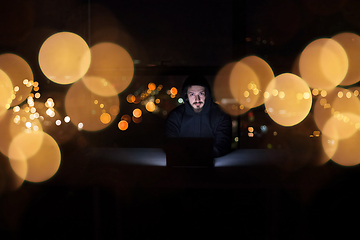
(211, 121)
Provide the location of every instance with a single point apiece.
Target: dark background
(169, 40)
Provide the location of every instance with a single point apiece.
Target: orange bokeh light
(126, 118)
(150, 106)
(105, 118)
(130, 98)
(137, 113)
(123, 125)
(173, 91)
(152, 86)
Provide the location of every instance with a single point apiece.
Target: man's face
(196, 95)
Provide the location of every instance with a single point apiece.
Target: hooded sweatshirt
(210, 122)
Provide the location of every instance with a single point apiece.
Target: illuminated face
(196, 95)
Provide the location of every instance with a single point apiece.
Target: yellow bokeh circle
(18, 70)
(249, 79)
(323, 64)
(64, 57)
(34, 156)
(288, 99)
(6, 92)
(337, 114)
(111, 69)
(351, 44)
(89, 110)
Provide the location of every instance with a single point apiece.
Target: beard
(197, 109)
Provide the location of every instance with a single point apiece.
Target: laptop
(189, 152)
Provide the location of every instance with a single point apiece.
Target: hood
(199, 80)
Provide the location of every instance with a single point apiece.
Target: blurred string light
(323, 65)
(250, 131)
(33, 154)
(64, 58)
(146, 97)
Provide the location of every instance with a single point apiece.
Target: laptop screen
(189, 152)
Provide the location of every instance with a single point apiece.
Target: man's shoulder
(178, 110)
(217, 111)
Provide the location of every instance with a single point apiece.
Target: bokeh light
(81, 107)
(34, 156)
(137, 112)
(126, 118)
(222, 92)
(52, 124)
(6, 92)
(347, 150)
(351, 44)
(105, 118)
(130, 98)
(150, 106)
(17, 69)
(173, 91)
(137, 119)
(99, 86)
(112, 66)
(339, 111)
(14, 123)
(123, 125)
(323, 64)
(152, 86)
(288, 99)
(64, 58)
(249, 79)
(329, 147)
(114, 110)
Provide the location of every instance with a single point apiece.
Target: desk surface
(241, 168)
(156, 156)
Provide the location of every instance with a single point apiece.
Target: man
(200, 116)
